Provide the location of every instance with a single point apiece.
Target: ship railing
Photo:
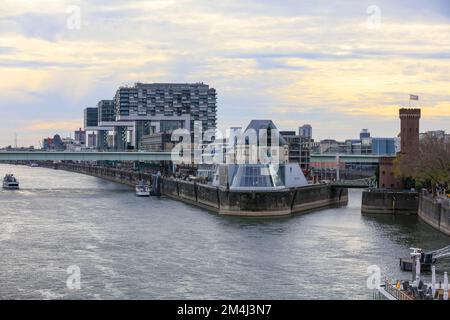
(396, 293)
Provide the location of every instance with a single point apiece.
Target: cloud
(290, 60)
(55, 126)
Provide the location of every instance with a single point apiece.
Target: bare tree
(431, 162)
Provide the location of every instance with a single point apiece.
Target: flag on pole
(413, 97)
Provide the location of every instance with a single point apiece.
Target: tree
(431, 162)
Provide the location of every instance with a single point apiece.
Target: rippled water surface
(158, 248)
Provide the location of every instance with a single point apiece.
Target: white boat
(142, 190)
(34, 164)
(416, 289)
(10, 182)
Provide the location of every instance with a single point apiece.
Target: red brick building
(409, 143)
(409, 130)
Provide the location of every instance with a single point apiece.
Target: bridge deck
(83, 156)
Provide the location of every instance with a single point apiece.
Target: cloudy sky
(338, 65)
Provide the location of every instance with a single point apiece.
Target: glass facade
(90, 117)
(257, 176)
(254, 177)
(106, 110)
(197, 100)
(383, 146)
(167, 126)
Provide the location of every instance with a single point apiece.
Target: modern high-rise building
(90, 117)
(145, 109)
(106, 111)
(164, 107)
(299, 149)
(364, 134)
(294, 145)
(106, 115)
(305, 131)
(383, 146)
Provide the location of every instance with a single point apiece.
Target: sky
(338, 65)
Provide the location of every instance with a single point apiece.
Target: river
(158, 248)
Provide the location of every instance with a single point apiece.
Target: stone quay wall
(376, 201)
(122, 176)
(282, 202)
(435, 212)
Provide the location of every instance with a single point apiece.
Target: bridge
(359, 183)
(83, 156)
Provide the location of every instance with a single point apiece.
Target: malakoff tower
(409, 144)
(409, 130)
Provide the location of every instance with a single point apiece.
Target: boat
(416, 288)
(10, 182)
(142, 189)
(34, 164)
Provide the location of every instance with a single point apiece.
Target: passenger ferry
(10, 182)
(416, 289)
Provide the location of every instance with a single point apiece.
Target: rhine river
(157, 248)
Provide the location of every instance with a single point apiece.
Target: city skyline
(294, 62)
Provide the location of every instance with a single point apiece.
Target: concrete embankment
(256, 203)
(122, 176)
(227, 202)
(435, 212)
(376, 201)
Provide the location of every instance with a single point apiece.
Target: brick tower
(409, 130)
(409, 135)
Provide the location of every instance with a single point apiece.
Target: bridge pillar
(141, 128)
(102, 139)
(120, 138)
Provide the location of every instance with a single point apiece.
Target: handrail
(398, 294)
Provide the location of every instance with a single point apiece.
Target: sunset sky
(326, 63)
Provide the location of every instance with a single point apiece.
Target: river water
(157, 248)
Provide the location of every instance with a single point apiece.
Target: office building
(159, 141)
(106, 117)
(145, 109)
(299, 149)
(364, 134)
(383, 146)
(80, 137)
(164, 107)
(90, 118)
(305, 131)
(55, 143)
